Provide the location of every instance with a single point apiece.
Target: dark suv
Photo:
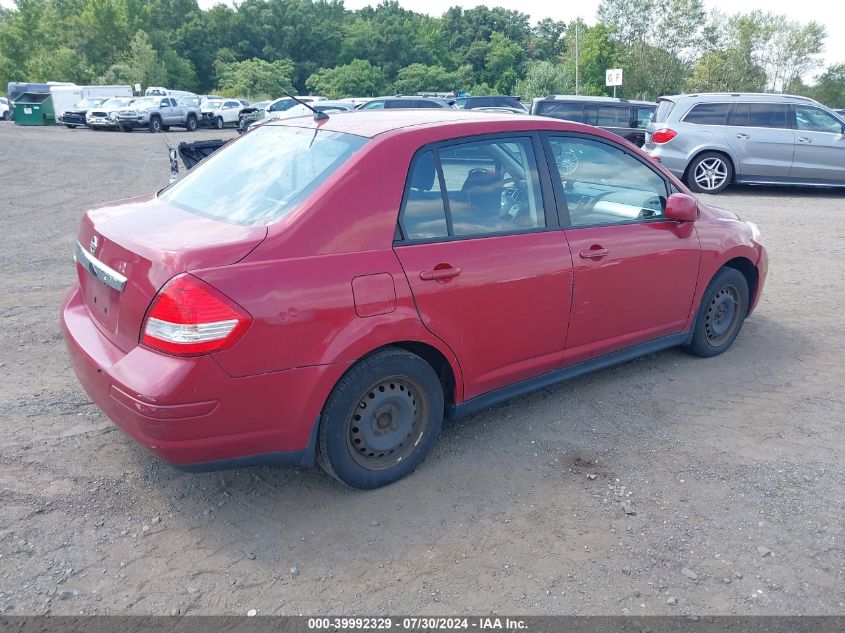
(410, 101)
(626, 118)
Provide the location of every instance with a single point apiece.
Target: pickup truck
(158, 114)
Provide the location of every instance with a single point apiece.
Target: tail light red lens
(189, 317)
(663, 136)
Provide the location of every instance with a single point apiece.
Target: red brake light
(663, 136)
(188, 316)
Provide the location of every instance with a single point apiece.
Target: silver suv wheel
(709, 173)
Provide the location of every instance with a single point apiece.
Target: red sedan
(330, 289)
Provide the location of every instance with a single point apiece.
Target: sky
(830, 13)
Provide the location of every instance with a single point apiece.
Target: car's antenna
(318, 116)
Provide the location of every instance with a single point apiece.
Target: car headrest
(483, 190)
(422, 178)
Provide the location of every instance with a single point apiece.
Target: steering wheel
(566, 162)
(514, 198)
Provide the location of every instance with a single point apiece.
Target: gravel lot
(733, 466)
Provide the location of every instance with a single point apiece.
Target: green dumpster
(34, 108)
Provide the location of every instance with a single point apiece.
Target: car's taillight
(663, 136)
(189, 317)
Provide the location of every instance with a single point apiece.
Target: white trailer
(68, 95)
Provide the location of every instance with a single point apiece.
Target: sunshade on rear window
(261, 177)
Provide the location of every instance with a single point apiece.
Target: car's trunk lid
(133, 247)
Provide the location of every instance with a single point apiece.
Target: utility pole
(577, 20)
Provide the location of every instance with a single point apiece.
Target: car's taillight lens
(663, 136)
(190, 317)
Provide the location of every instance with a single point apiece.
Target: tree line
(262, 48)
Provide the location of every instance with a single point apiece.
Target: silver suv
(712, 140)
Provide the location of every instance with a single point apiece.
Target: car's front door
(635, 271)
(819, 148)
(761, 137)
(488, 265)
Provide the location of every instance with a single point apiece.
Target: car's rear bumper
(187, 410)
(673, 160)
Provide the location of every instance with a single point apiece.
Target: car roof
(588, 98)
(748, 97)
(373, 123)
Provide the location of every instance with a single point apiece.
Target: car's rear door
(762, 139)
(634, 270)
(819, 148)
(488, 265)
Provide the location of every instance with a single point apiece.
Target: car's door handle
(804, 139)
(440, 273)
(742, 136)
(594, 253)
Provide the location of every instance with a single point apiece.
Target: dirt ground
(733, 465)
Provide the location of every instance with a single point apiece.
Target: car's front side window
(481, 187)
(810, 119)
(604, 184)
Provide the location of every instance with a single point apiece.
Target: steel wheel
(387, 423)
(721, 313)
(381, 419)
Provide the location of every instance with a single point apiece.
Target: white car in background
(286, 103)
(218, 113)
(308, 110)
(5, 114)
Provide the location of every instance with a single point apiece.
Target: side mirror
(681, 208)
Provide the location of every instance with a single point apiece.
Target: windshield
(147, 102)
(116, 102)
(88, 103)
(263, 176)
(189, 101)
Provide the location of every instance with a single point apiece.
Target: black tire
(155, 125)
(191, 123)
(721, 314)
(372, 448)
(70, 127)
(218, 123)
(710, 172)
(6, 116)
(125, 128)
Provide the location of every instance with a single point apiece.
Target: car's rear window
(566, 111)
(265, 174)
(664, 109)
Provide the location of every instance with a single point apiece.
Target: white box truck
(67, 96)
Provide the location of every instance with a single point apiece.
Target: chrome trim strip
(108, 276)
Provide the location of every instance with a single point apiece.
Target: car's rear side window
(771, 115)
(563, 110)
(471, 189)
(664, 109)
(708, 114)
(263, 175)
